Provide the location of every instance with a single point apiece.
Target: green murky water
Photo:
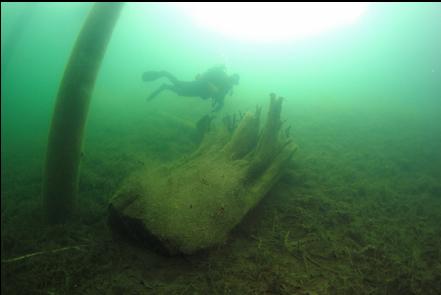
(359, 212)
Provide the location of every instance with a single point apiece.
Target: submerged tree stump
(194, 204)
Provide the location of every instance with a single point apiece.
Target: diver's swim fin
(151, 75)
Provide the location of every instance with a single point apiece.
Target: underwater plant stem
(318, 264)
(60, 183)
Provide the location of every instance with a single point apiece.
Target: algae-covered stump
(194, 203)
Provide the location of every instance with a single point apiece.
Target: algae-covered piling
(60, 182)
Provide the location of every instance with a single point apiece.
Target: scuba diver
(214, 83)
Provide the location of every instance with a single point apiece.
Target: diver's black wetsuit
(214, 83)
(197, 88)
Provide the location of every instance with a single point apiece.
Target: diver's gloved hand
(217, 104)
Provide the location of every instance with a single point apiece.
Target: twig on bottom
(40, 253)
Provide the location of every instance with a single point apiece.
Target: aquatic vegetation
(312, 233)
